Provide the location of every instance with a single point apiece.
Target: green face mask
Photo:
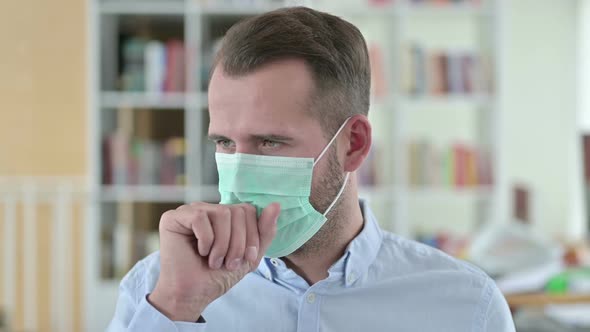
(261, 180)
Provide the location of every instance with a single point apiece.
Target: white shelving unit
(199, 22)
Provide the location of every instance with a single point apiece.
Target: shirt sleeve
(498, 317)
(135, 314)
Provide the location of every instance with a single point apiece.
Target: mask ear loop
(331, 141)
(347, 173)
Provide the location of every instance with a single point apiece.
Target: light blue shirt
(382, 283)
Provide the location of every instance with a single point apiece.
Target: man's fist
(205, 249)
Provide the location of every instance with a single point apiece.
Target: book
(143, 161)
(413, 173)
(173, 159)
(378, 81)
(458, 166)
(454, 74)
(132, 78)
(122, 239)
(436, 74)
(472, 176)
(407, 69)
(119, 143)
(419, 67)
(106, 166)
(467, 73)
(155, 66)
(175, 66)
(460, 162)
(443, 72)
(149, 163)
(520, 204)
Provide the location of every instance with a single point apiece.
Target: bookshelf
(144, 111)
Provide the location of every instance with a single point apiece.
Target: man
(291, 248)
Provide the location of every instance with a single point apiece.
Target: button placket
(309, 312)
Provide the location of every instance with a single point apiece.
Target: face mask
(261, 180)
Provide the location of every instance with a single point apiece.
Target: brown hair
(333, 49)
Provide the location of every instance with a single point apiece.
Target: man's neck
(313, 267)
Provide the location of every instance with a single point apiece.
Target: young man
(291, 247)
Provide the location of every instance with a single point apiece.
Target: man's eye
(270, 144)
(224, 143)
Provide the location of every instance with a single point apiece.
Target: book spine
(133, 65)
(155, 66)
(175, 66)
(454, 74)
(420, 71)
(413, 164)
(443, 69)
(120, 144)
(471, 159)
(460, 165)
(107, 161)
(379, 84)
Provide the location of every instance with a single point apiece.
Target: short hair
(333, 49)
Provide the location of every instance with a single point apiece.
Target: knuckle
(223, 211)
(249, 208)
(167, 216)
(166, 219)
(240, 212)
(199, 216)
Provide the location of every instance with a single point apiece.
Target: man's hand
(205, 249)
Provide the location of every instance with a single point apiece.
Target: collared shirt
(383, 282)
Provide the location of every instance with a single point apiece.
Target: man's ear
(358, 143)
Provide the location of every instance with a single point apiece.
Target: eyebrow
(272, 137)
(215, 137)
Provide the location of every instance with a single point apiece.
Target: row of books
(131, 161)
(152, 65)
(427, 72)
(445, 2)
(458, 166)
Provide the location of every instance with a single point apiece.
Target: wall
(42, 123)
(540, 111)
(42, 87)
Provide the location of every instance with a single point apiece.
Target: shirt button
(311, 298)
(274, 262)
(351, 278)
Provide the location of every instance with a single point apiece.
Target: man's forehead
(274, 89)
(288, 77)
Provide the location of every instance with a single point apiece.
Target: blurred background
(480, 111)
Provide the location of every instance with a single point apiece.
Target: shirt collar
(363, 250)
(359, 255)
